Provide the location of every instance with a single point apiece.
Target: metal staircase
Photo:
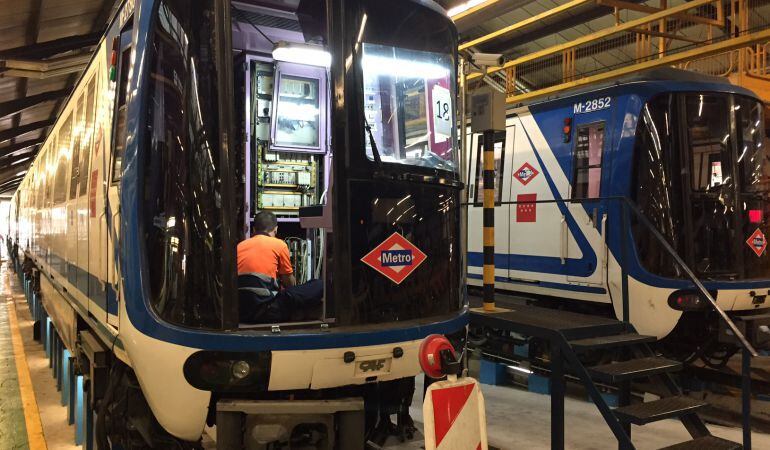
(572, 338)
(571, 335)
(641, 363)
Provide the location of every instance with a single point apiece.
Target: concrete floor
(57, 433)
(518, 419)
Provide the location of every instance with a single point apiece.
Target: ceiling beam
(598, 35)
(10, 183)
(12, 133)
(49, 68)
(9, 173)
(12, 107)
(537, 18)
(698, 52)
(19, 146)
(8, 161)
(51, 48)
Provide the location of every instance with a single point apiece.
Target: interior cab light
(311, 55)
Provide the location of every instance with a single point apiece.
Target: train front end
(378, 218)
(702, 178)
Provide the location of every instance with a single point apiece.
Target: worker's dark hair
(265, 222)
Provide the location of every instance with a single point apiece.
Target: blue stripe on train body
(621, 120)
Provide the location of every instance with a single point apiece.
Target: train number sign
(593, 105)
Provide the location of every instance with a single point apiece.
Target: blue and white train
(689, 150)
(132, 210)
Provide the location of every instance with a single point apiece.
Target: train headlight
(687, 301)
(241, 369)
(228, 371)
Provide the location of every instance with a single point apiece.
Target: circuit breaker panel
(282, 181)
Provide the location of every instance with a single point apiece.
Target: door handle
(564, 240)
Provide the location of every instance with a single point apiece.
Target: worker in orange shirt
(268, 256)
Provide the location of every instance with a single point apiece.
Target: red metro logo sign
(396, 258)
(757, 242)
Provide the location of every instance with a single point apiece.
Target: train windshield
(409, 89)
(706, 187)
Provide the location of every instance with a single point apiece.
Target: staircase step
(634, 368)
(665, 408)
(706, 443)
(615, 340)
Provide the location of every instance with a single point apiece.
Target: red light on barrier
(755, 215)
(429, 355)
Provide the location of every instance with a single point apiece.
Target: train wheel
(125, 421)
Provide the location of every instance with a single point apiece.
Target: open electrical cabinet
(282, 112)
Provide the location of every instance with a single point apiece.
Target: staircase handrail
(691, 275)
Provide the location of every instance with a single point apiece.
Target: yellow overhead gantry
(580, 62)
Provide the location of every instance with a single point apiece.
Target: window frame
(299, 71)
(588, 166)
(125, 48)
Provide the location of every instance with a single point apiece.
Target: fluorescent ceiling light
(21, 173)
(464, 7)
(311, 55)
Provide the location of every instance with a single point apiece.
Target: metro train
(192, 116)
(687, 150)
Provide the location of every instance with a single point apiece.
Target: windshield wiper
(372, 143)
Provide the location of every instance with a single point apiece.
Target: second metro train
(688, 150)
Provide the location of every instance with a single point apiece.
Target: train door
(87, 139)
(591, 138)
(115, 173)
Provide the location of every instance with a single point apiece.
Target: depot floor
(31, 415)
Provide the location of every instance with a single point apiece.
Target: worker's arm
(287, 280)
(285, 270)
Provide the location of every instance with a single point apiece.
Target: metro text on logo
(392, 258)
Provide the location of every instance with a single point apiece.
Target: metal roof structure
(44, 45)
(520, 30)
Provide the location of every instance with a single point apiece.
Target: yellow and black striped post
(489, 220)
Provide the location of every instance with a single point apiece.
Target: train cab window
(407, 99)
(658, 187)
(589, 145)
(121, 109)
(499, 146)
(182, 188)
(754, 175)
(709, 139)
